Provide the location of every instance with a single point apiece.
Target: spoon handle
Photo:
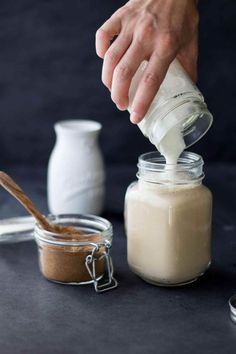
(8, 183)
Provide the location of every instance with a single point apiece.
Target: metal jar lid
(232, 306)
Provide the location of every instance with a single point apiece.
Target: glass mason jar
(168, 220)
(69, 259)
(178, 102)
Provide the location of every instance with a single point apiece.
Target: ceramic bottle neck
(79, 132)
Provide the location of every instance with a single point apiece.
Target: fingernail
(135, 117)
(120, 107)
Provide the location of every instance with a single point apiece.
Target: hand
(153, 30)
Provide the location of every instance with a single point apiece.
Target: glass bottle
(168, 220)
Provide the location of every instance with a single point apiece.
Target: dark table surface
(37, 316)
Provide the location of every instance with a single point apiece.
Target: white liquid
(168, 231)
(171, 147)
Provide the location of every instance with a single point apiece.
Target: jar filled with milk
(168, 221)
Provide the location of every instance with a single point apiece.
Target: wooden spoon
(8, 183)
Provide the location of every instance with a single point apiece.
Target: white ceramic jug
(76, 173)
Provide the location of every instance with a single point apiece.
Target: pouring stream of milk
(171, 147)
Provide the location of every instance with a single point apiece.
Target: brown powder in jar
(66, 264)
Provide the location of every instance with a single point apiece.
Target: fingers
(124, 73)
(106, 33)
(149, 84)
(112, 58)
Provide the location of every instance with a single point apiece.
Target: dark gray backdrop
(49, 71)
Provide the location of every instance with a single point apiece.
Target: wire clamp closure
(90, 262)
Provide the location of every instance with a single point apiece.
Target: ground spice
(66, 264)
